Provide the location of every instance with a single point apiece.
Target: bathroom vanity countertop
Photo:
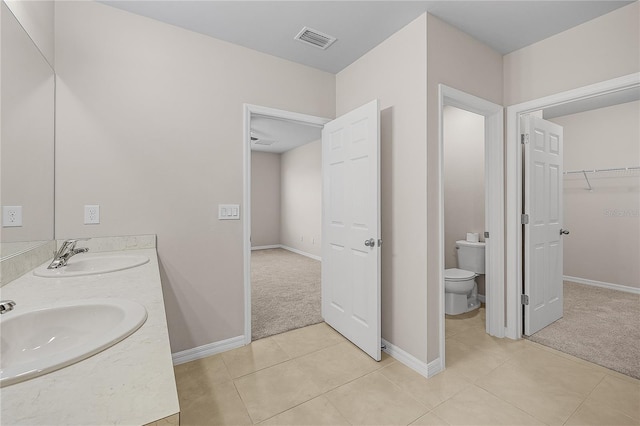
(129, 383)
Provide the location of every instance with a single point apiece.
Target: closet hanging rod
(615, 169)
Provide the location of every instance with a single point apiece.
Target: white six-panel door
(351, 227)
(543, 234)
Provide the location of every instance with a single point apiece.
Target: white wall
(462, 62)
(301, 201)
(598, 50)
(37, 18)
(395, 72)
(265, 199)
(604, 243)
(463, 181)
(149, 126)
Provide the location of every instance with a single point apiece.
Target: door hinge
(524, 219)
(524, 138)
(486, 234)
(524, 299)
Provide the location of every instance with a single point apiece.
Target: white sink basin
(39, 341)
(82, 264)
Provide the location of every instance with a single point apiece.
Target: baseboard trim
(481, 298)
(291, 249)
(602, 284)
(300, 252)
(207, 350)
(435, 367)
(420, 367)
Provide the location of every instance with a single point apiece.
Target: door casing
(248, 111)
(514, 194)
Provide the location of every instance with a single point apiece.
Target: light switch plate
(229, 211)
(11, 216)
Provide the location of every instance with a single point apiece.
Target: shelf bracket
(587, 179)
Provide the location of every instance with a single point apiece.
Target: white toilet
(460, 288)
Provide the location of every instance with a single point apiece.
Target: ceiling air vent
(264, 142)
(315, 38)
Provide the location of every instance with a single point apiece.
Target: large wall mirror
(26, 139)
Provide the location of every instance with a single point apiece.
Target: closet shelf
(615, 169)
(632, 171)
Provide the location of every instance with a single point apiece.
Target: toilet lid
(455, 274)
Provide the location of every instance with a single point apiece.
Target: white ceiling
(269, 26)
(283, 135)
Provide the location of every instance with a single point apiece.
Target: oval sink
(39, 341)
(89, 265)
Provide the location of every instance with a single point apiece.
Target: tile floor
(313, 376)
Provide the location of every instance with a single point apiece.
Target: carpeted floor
(285, 292)
(599, 325)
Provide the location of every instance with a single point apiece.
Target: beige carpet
(599, 325)
(285, 292)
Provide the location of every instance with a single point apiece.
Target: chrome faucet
(67, 250)
(6, 306)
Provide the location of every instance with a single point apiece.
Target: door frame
(514, 192)
(494, 202)
(250, 110)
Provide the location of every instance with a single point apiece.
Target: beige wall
(395, 72)
(265, 199)
(604, 244)
(150, 118)
(27, 108)
(598, 50)
(456, 60)
(463, 181)
(37, 18)
(463, 178)
(149, 126)
(286, 197)
(301, 203)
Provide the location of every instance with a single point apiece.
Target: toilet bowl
(460, 288)
(460, 291)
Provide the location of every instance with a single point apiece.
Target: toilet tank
(470, 256)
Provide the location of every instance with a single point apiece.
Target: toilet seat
(455, 274)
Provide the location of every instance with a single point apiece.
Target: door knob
(564, 232)
(370, 242)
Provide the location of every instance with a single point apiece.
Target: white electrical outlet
(11, 216)
(91, 214)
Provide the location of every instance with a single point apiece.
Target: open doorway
(276, 124)
(351, 237)
(485, 226)
(515, 256)
(600, 194)
(464, 216)
(286, 208)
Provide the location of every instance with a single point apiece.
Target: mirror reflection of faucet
(67, 251)
(6, 306)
